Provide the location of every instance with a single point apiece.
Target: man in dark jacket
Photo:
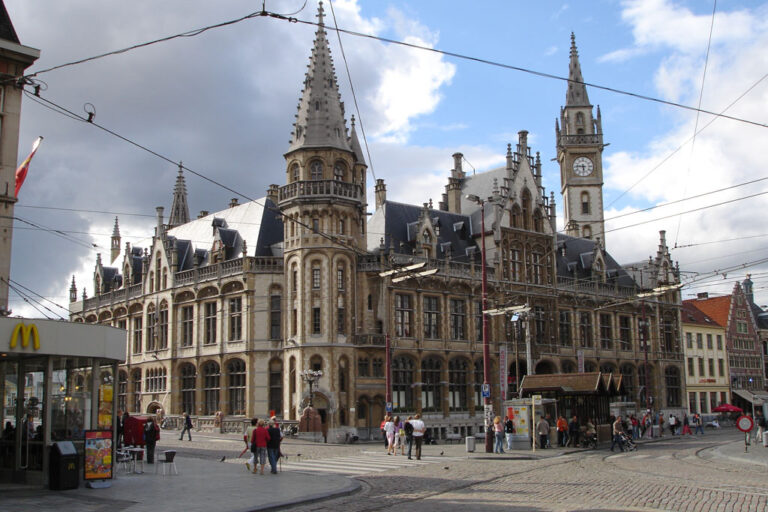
(273, 445)
(573, 432)
(151, 435)
(408, 428)
(509, 429)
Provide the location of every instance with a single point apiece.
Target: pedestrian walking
(259, 440)
(672, 424)
(273, 445)
(509, 430)
(562, 431)
(247, 439)
(408, 428)
(418, 434)
(399, 436)
(542, 429)
(151, 435)
(383, 433)
(498, 432)
(686, 425)
(617, 431)
(186, 427)
(573, 432)
(697, 424)
(389, 431)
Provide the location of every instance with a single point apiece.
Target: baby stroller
(629, 444)
(589, 441)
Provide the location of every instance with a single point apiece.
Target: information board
(98, 455)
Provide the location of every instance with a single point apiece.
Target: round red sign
(744, 423)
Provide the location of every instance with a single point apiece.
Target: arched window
(236, 378)
(295, 172)
(478, 384)
(569, 367)
(590, 366)
(585, 208)
(526, 211)
(316, 363)
(211, 385)
(188, 387)
(672, 381)
(122, 391)
(458, 371)
(586, 232)
(162, 327)
(276, 386)
(515, 263)
(403, 370)
(339, 170)
(514, 217)
(316, 170)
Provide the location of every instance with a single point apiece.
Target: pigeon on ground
(223, 458)
(441, 452)
(446, 467)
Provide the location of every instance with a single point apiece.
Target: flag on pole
(21, 172)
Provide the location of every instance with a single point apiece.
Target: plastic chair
(168, 462)
(124, 460)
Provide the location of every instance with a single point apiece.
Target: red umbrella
(727, 408)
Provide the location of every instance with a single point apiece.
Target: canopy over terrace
(585, 395)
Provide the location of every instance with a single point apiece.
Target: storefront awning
(753, 398)
(574, 383)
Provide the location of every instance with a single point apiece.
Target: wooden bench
(452, 438)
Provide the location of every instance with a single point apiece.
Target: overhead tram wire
(31, 301)
(77, 210)
(60, 234)
(352, 88)
(698, 114)
(331, 238)
(27, 79)
(38, 295)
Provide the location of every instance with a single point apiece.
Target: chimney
(381, 193)
(233, 202)
(453, 191)
(457, 171)
(702, 295)
(203, 213)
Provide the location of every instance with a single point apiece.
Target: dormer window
(295, 172)
(316, 170)
(427, 237)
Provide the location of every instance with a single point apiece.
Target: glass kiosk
(56, 381)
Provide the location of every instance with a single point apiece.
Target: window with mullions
(625, 333)
(363, 367)
(458, 319)
(458, 370)
(236, 385)
(211, 386)
(628, 380)
(235, 319)
(431, 387)
(564, 328)
(689, 340)
(478, 384)
(340, 278)
(275, 317)
(672, 381)
(151, 325)
(403, 315)
(709, 341)
(162, 328)
(691, 370)
(315, 278)
(136, 377)
(122, 391)
(316, 323)
(188, 388)
(187, 326)
(606, 331)
(403, 371)
(540, 325)
(137, 335)
(668, 334)
(209, 323)
(378, 367)
(341, 322)
(432, 318)
(276, 386)
(585, 329)
(515, 264)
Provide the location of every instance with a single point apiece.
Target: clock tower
(579, 152)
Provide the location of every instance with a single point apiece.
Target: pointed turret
(179, 208)
(320, 119)
(73, 291)
(355, 144)
(577, 91)
(115, 247)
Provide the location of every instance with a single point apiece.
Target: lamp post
(311, 377)
(488, 405)
(518, 313)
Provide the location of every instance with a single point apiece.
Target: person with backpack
(151, 435)
(509, 429)
(408, 430)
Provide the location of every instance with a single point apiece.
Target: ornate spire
(355, 144)
(320, 119)
(115, 248)
(577, 91)
(179, 209)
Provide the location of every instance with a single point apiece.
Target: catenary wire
(37, 295)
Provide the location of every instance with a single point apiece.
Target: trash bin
(656, 431)
(765, 438)
(470, 441)
(64, 473)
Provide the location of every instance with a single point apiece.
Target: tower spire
(115, 248)
(320, 119)
(577, 91)
(179, 208)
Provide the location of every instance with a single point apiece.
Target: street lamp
(486, 349)
(517, 313)
(311, 377)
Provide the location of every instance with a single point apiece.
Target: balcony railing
(581, 138)
(376, 340)
(318, 188)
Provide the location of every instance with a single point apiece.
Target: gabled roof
(716, 308)
(690, 314)
(577, 383)
(7, 31)
(575, 259)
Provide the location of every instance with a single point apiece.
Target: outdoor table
(135, 452)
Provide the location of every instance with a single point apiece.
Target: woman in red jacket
(259, 440)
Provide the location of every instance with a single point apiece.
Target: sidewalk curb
(352, 487)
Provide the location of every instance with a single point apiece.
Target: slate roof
(7, 31)
(761, 317)
(396, 223)
(576, 261)
(572, 383)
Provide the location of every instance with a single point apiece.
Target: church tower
(323, 203)
(579, 151)
(179, 209)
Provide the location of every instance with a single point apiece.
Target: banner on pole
(503, 384)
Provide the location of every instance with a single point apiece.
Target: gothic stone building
(224, 312)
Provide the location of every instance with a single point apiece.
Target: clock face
(583, 166)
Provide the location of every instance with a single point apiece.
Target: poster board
(98, 455)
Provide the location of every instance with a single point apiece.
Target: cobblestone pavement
(672, 474)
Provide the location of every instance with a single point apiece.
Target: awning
(573, 383)
(753, 398)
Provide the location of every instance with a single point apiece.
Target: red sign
(744, 423)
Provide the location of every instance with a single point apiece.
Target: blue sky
(223, 103)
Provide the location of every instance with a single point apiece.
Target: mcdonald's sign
(24, 332)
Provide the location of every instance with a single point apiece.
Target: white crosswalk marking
(365, 463)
